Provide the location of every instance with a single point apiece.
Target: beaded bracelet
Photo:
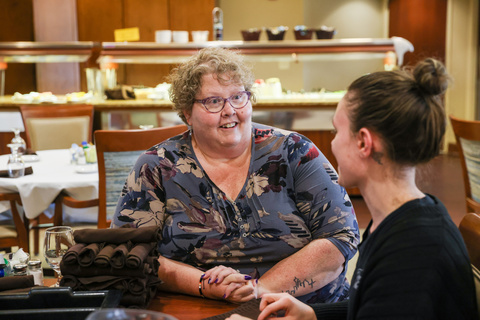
(200, 283)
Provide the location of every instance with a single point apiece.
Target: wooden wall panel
(97, 21)
(148, 16)
(192, 15)
(423, 23)
(16, 24)
(56, 20)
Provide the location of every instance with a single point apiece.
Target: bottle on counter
(35, 269)
(217, 14)
(3, 266)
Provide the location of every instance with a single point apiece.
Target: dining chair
(117, 151)
(467, 135)
(14, 232)
(470, 229)
(55, 127)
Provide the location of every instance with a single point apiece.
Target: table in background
(52, 174)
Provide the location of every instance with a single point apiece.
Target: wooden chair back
(470, 229)
(117, 151)
(14, 233)
(467, 135)
(57, 126)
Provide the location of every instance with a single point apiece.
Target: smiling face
(344, 147)
(228, 130)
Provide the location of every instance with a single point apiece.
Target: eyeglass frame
(203, 101)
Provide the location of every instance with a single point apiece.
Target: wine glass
(57, 242)
(15, 165)
(18, 140)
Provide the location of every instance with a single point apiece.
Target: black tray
(56, 303)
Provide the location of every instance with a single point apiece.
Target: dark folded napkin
(140, 300)
(105, 283)
(119, 255)
(94, 271)
(103, 257)
(71, 256)
(71, 281)
(17, 282)
(29, 151)
(118, 236)
(4, 173)
(87, 255)
(138, 286)
(138, 254)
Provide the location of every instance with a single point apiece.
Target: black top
(413, 266)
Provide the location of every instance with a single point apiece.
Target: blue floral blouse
(291, 197)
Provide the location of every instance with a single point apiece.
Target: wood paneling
(148, 16)
(192, 15)
(16, 24)
(97, 21)
(49, 25)
(423, 23)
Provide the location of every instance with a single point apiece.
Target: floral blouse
(291, 197)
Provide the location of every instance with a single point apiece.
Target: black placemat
(248, 309)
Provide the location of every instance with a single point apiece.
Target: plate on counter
(86, 168)
(30, 158)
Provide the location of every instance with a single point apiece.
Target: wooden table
(182, 306)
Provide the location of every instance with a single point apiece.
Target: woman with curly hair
(244, 208)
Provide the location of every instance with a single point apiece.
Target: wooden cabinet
(97, 21)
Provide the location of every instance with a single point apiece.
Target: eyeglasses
(216, 104)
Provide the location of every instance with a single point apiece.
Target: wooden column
(56, 20)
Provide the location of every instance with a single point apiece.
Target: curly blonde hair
(186, 80)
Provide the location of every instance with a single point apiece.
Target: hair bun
(431, 76)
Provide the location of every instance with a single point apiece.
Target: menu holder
(56, 303)
(4, 173)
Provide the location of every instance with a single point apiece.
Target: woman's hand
(218, 273)
(291, 308)
(227, 283)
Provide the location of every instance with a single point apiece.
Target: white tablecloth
(52, 174)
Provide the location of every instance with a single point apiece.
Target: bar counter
(317, 102)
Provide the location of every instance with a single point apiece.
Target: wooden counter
(182, 306)
(311, 117)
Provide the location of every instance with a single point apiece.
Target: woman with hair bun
(412, 260)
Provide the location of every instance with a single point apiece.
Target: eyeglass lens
(216, 104)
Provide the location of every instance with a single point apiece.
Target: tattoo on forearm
(300, 284)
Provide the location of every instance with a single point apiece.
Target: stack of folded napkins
(16, 284)
(124, 259)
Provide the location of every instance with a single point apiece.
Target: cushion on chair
(117, 167)
(58, 133)
(7, 231)
(471, 152)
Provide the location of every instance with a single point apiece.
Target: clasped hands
(238, 288)
(227, 283)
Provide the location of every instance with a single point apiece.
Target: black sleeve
(331, 311)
